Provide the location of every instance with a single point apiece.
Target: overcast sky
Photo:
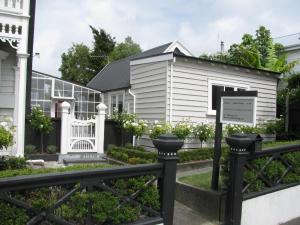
(198, 24)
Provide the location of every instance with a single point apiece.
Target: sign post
(234, 107)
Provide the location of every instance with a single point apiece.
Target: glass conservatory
(49, 92)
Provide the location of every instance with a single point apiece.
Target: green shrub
(6, 133)
(275, 126)
(30, 149)
(195, 154)
(51, 149)
(203, 132)
(182, 130)
(11, 215)
(12, 163)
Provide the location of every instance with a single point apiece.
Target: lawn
(30, 171)
(279, 143)
(202, 180)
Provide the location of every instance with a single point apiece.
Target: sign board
(238, 110)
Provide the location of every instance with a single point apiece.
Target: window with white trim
(226, 86)
(116, 101)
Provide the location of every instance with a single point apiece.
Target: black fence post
(167, 146)
(237, 159)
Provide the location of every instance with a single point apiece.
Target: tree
(76, 64)
(124, 49)
(40, 123)
(263, 42)
(103, 45)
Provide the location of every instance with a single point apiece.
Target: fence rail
(140, 194)
(256, 173)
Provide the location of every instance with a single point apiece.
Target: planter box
(210, 204)
(45, 157)
(268, 137)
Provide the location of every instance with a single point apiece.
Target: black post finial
(167, 146)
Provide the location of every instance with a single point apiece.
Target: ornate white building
(14, 30)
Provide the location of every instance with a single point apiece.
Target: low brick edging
(210, 204)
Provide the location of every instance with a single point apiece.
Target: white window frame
(115, 93)
(211, 82)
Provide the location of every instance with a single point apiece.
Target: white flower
(156, 121)
(158, 125)
(41, 126)
(3, 124)
(134, 124)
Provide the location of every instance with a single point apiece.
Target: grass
(202, 180)
(279, 143)
(30, 171)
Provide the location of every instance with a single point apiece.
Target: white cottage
(167, 83)
(14, 30)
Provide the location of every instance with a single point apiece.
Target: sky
(199, 25)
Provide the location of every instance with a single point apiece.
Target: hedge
(274, 171)
(134, 155)
(107, 208)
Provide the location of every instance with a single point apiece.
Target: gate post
(237, 160)
(167, 146)
(100, 127)
(65, 128)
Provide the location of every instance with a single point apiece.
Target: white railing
(12, 6)
(82, 135)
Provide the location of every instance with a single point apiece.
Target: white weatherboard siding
(190, 89)
(148, 83)
(293, 56)
(272, 209)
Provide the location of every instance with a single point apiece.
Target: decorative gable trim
(180, 47)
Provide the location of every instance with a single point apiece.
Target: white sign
(238, 110)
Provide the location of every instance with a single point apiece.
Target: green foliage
(30, 149)
(232, 129)
(272, 171)
(6, 133)
(124, 49)
(75, 64)
(131, 155)
(12, 215)
(203, 132)
(159, 128)
(51, 149)
(10, 171)
(195, 154)
(12, 163)
(275, 126)
(137, 128)
(257, 52)
(39, 121)
(103, 45)
(182, 130)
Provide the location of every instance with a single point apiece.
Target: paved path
(183, 215)
(192, 172)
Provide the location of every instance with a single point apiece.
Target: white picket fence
(82, 136)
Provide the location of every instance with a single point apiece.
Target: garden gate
(82, 136)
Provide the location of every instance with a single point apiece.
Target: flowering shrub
(41, 123)
(136, 128)
(182, 130)
(122, 117)
(6, 133)
(203, 132)
(232, 129)
(159, 128)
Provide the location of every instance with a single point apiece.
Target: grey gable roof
(116, 75)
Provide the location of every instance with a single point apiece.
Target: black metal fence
(63, 193)
(258, 172)
(113, 135)
(294, 119)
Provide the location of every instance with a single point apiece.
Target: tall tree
(263, 42)
(75, 64)
(103, 45)
(124, 49)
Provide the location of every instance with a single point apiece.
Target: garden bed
(45, 157)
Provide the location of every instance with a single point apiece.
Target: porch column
(65, 128)
(100, 127)
(20, 98)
